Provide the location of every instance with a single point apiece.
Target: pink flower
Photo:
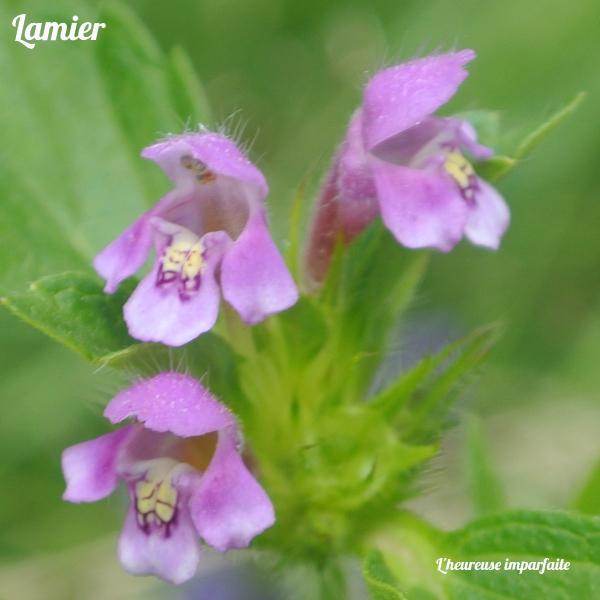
(182, 465)
(211, 238)
(400, 162)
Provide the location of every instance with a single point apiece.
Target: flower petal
(422, 209)
(217, 153)
(254, 278)
(411, 146)
(127, 253)
(155, 315)
(124, 255)
(90, 468)
(467, 139)
(489, 218)
(160, 314)
(170, 402)
(229, 507)
(414, 146)
(173, 557)
(399, 97)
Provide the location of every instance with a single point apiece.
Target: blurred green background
(286, 75)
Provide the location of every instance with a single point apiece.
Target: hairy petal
(421, 208)
(254, 277)
(489, 217)
(218, 153)
(401, 96)
(229, 507)
(171, 402)
(90, 468)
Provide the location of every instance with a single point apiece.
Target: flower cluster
(181, 456)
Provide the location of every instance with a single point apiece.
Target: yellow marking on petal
(164, 513)
(460, 169)
(194, 261)
(145, 496)
(156, 500)
(184, 258)
(166, 493)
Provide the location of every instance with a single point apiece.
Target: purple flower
(211, 237)
(182, 466)
(400, 162)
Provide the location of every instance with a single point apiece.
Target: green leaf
(376, 284)
(488, 127)
(428, 411)
(142, 104)
(411, 549)
(71, 177)
(588, 500)
(37, 237)
(532, 140)
(526, 536)
(486, 492)
(379, 579)
(293, 251)
(496, 167)
(73, 309)
(420, 399)
(304, 330)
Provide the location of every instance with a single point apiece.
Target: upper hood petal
(171, 402)
(214, 152)
(401, 96)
